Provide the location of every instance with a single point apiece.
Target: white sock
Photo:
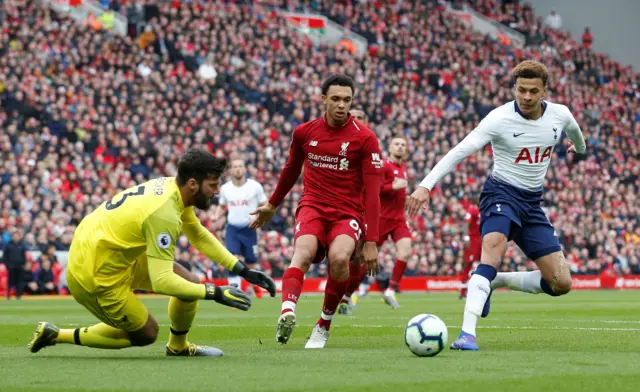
(363, 289)
(235, 280)
(389, 292)
(528, 282)
(345, 298)
(326, 317)
(289, 305)
(479, 289)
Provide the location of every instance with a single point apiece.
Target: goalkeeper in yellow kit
(127, 243)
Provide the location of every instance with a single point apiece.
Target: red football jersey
(336, 160)
(473, 219)
(392, 200)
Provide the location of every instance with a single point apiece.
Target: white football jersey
(522, 148)
(241, 200)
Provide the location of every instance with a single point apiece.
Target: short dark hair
(199, 164)
(366, 118)
(530, 69)
(338, 80)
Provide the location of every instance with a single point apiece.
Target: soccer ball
(426, 335)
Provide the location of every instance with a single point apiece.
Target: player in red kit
(341, 157)
(473, 241)
(393, 222)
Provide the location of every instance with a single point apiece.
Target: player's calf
(556, 276)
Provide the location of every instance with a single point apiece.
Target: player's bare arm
(372, 172)
(263, 214)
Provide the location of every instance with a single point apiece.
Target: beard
(202, 202)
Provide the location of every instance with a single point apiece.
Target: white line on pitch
(450, 326)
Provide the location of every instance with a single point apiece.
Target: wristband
(240, 268)
(212, 292)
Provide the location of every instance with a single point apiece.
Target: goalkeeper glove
(256, 277)
(228, 295)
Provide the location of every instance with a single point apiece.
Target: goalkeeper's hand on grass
(256, 277)
(229, 296)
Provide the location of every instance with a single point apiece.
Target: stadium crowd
(86, 113)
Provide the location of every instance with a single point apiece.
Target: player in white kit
(240, 196)
(522, 134)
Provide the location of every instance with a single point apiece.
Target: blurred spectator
(28, 280)
(587, 38)
(553, 20)
(14, 256)
(45, 280)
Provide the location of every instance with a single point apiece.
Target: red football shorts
(473, 252)
(397, 229)
(325, 226)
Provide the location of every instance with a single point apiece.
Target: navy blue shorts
(243, 241)
(517, 213)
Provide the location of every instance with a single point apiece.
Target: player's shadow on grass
(74, 357)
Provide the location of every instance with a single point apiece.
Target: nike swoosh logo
(227, 293)
(518, 134)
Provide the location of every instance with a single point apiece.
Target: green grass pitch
(585, 341)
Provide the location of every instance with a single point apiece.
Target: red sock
(257, 290)
(354, 280)
(464, 278)
(363, 272)
(396, 275)
(333, 293)
(291, 286)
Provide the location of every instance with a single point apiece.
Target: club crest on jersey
(555, 133)
(343, 151)
(163, 240)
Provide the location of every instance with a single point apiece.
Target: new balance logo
(313, 143)
(518, 134)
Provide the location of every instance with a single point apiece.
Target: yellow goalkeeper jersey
(146, 219)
